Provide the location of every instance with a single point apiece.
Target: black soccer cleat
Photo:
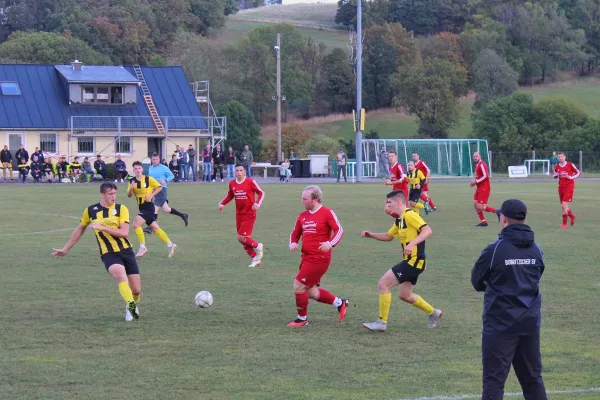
(498, 214)
(482, 224)
(185, 218)
(147, 230)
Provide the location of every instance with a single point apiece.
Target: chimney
(77, 65)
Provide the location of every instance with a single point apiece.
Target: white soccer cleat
(255, 262)
(141, 252)
(259, 252)
(378, 325)
(131, 311)
(172, 249)
(128, 316)
(433, 318)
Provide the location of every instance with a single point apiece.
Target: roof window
(10, 88)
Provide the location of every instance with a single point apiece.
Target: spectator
(100, 166)
(193, 162)
(206, 163)
(184, 162)
(62, 168)
(120, 169)
(23, 169)
(6, 160)
(88, 172)
(553, 161)
(230, 162)
(284, 171)
(39, 155)
(384, 163)
(247, 160)
(218, 162)
(509, 272)
(48, 170)
(37, 168)
(181, 162)
(22, 154)
(75, 170)
(174, 167)
(164, 162)
(342, 160)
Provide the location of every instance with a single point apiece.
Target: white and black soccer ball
(203, 299)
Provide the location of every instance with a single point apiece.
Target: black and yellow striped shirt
(416, 177)
(405, 229)
(111, 217)
(143, 187)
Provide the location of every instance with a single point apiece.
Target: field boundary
(509, 394)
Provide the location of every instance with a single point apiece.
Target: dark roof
(44, 101)
(96, 74)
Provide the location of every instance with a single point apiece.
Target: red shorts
(244, 225)
(482, 195)
(312, 269)
(565, 193)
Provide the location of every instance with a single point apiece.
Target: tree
(493, 77)
(431, 16)
(320, 144)
(293, 138)
(431, 92)
(338, 84)
(49, 48)
(242, 128)
(211, 14)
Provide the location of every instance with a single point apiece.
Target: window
(103, 95)
(85, 145)
(10, 88)
(123, 145)
(48, 142)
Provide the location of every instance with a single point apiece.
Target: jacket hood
(519, 235)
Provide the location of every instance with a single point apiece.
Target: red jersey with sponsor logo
(482, 175)
(315, 228)
(244, 194)
(421, 166)
(396, 173)
(566, 174)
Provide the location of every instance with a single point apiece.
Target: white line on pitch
(47, 215)
(38, 232)
(513, 394)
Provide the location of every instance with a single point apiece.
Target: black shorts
(414, 195)
(148, 215)
(406, 273)
(125, 258)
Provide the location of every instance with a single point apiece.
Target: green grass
(62, 333)
(318, 15)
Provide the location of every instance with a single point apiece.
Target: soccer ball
(204, 299)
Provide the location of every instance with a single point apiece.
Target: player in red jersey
(421, 166)
(243, 189)
(566, 172)
(398, 179)
(482, 194)
(315, 227)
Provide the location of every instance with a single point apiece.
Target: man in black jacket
(100, 166)
(40, 155)
(120, 169)
(218, 162)
(6, 162)
(36, 168)
(22, 154)
(509, 271)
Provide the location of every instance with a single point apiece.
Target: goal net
(445, 157)
(538, 167)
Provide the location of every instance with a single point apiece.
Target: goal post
(537, 167)
(445, 157)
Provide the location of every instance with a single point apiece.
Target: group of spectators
(216, 163)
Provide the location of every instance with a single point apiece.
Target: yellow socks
(125, 291)
(162, 235)
(385, 301)
(137, 298)
(423, 305)
(139, 232)
(419, 205)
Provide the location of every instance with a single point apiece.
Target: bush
(320, 144)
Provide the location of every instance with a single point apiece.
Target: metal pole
(278, 51)
(358, 90)
(580, 160)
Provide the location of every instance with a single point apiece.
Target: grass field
(63, 336)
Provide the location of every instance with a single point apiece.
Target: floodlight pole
(358, 90)
(278, 51)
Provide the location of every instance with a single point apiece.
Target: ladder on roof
(149, 100)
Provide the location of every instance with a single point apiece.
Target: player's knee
(241, 239)
(136, 291)
(299, 288)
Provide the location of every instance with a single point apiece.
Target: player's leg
(138, 221)
(162, 235)
(413, 196)
(408, 296)
(170, 210)
(426, 198)
(384, 287)
(567, 198)
(478, 205)
(133, 277)
(254, 249)
(300, 292)
(117, 271)
(314, 275)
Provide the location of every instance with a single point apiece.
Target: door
(155, 146)
(14, 142)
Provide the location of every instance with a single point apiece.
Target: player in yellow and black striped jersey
(412, 231)
(416, 181)
(144, 188)
(110, 223)
(75, 170)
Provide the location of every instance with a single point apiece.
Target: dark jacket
(36, 168)
(230, 158)
(39, 155)
(509, 271)
(5, 156)
(22, 154)
(218, 157)
(120, 165)
(98, 165)
(206, 155)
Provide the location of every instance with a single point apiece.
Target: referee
(509, 271)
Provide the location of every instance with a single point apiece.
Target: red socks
(250, 242)
(565, 216)
(481, 217)
(489, 209)
(250, 250)
(302, 304)
(325, 297)
(570, 213)
(426, 199)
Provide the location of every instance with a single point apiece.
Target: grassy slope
(62, 334)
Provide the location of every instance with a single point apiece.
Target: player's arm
(480, 274)
(169, 176)
(261, 195)
(157, 188)
(338, 233)
(296, 235)
(75, 236)
(555, 175)
(575, 172)
(230, 196)
(130, 188)
(382, 237)
(422, 179)
(428, 174)
(122, 231)
(484, 174)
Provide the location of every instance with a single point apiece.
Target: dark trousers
(217, 168)
(523, 352)
(102, 173)
(123, 174)
(342, 170)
